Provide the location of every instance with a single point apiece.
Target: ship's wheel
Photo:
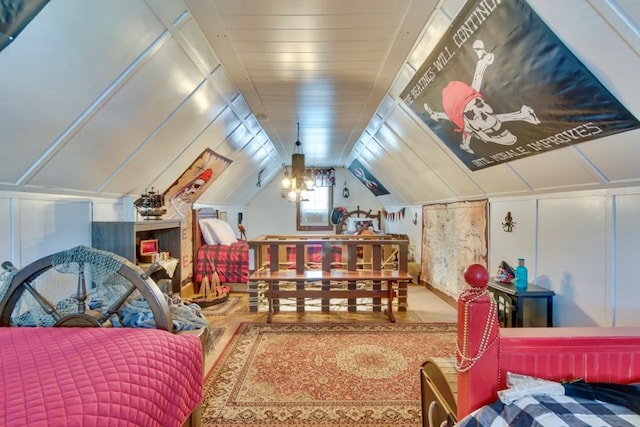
(82, 287)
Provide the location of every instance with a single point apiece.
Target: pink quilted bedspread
(98, 377)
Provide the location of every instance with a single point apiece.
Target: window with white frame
(314, 213)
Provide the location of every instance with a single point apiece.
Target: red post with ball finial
(478, 340)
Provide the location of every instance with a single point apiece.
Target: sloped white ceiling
(110, 98)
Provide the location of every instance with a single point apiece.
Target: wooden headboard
(197, 214)
(358, 213)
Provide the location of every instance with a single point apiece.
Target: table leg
(520, 321)
(270, 301)
(390, 295)
(550, 311)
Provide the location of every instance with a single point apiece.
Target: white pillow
(217, 232)
(353, 224)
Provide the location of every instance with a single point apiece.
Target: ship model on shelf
(150, 205)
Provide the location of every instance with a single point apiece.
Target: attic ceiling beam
(218, 37)
(416, 17)
(186, 147)
(175, 28)
(150, 137)
(93, 109)
(591, 166)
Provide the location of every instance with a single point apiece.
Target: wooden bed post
(478, 343)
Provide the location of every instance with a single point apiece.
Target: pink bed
(98, 376)
(87, 370)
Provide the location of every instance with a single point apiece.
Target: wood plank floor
(423, 306)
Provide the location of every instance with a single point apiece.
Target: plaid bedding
(547, 411)
(230, 262)
(314, 254)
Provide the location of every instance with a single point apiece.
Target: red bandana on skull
(455, 97)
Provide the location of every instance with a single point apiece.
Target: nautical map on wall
(500, 85)
(455, 236)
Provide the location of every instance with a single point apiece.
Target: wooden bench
(380, 251)
(327, 279)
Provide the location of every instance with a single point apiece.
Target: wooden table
(327, 278)
(516, 298)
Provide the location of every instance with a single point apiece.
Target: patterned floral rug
(323, 374)
(214, 336)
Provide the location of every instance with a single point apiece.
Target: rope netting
(87, 280)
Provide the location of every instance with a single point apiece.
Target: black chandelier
(296, 184)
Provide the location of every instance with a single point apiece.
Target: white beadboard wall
(271, 214)
(406, 226)
(34, 225)
(626, 258)
(582, 245)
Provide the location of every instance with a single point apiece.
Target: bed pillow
(356, 224)
(217, 232)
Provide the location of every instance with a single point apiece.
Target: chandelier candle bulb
(522, 274)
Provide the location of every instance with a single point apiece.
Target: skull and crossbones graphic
(465, 106)
(188, 194)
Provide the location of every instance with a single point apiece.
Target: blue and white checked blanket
(551, 411)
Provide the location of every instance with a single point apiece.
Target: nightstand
(511, 302)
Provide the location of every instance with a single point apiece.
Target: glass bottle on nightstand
(522, 278)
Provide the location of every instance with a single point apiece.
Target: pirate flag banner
(367, 179)
(181, 195)
(500, 85)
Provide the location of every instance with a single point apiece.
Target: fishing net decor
(89, 281)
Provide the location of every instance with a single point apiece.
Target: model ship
(211, 292)
(150, 205)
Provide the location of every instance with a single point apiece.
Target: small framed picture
(223, 215)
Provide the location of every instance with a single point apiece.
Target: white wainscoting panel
(47, 227)
(520, 242)
(572, 258)
(5, 230)
(627, 260)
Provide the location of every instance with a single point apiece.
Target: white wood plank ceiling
(109, 98)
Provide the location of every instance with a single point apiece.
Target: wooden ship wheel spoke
(104, 288)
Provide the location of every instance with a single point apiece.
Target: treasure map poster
(501, 86)
(454, 237)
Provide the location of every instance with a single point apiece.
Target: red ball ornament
(476, 275)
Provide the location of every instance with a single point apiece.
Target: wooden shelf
(122, 238)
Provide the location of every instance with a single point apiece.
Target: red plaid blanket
(314, 255)
(230, 262)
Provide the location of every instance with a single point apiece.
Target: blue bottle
(522, 274)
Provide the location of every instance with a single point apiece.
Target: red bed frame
(596, 354)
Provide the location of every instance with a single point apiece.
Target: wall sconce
(415, 219)
(509, 224)
(345, 191)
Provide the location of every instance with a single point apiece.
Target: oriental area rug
(307, 374)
